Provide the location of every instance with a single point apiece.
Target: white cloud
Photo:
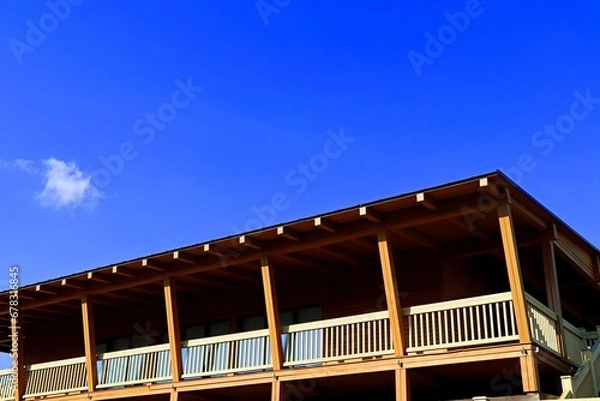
(25, 165)
(67, 186)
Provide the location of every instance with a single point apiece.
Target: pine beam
(552, 290)
(529, 373)
(89, 337)
(402, 385)
(173, 328)
(391, 292)
(513, 266)
(272, 307)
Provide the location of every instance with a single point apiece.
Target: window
(287, 317)
(206, 330)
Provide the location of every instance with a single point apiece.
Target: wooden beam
(94, 276)
(370, 214)
(528, 214)
(44, 289)
(71, 284)
(174, 395)
(529, 373)
(402, 385)
(272, 307)
(418, 239)
(18, 356)
(250, 242)
(304, 261)
(184, 257)
(552, 291)
(173, 328)
(288, 233)
(122, 271)
(513, 266)
(326, 225)
(277, 391)
(89, 337)
(427, 201)
(153, 264)
(391, 292)
(335, 252)
(471, 229)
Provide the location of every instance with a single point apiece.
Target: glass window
(257, 322)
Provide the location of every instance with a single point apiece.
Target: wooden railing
(56, 377)
(543, 323)
(135, 366)
(351, 337)
(6, 385)
(574, 342)
(586, 381)
(231, 353)
(465, 322)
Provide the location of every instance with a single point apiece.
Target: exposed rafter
(288, 233)
(370, 214)
(326, 225)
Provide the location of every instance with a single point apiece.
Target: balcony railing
(465, 322)
(6, 385)
(351, 337)
(135, 366)
(231, 353)
(56, 377)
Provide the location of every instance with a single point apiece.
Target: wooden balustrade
(56, 377)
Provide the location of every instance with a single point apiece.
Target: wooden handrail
(459, 303)
(248, 335)
(133, 351)
(321, 324)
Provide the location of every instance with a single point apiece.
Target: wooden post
(552, 291)
(402, 385)
(274, 323)
(89, 337)
(174, 395)
(391, 292)
(586, 356)
(513, 265)
(529, 374)
(173, 329)
(18, 354)
(277, 390)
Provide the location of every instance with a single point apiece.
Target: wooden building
(470, 289)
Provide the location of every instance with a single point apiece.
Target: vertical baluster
(440, 328)
(505, 318)
(447, 338)
(422, 330)
(478, 321)
(427, 333)
(499, 327)
(491, 318)
(459, 320)
(452, 328)
(471, 321)
(379, 335)
(512, 318)
(484, 320)
(433, 329)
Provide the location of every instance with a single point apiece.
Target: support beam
(174, 395)
(89, 337)
(391, 292)
(272, 307)
(370, 214)
(250, 242)
(325, 224)
(122, 271)
(288, 233)
(153, 264)
(17, 337)
(513, 266)
(416, 238)
(173, 328)
(552, 290)
(93, 276)
(427, 201)
(529, 373)
(179, 256)
(402, 385)
(277, 391)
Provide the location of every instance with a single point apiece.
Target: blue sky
(127, 130)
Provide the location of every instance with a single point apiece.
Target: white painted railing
(6, 385)
(135, 366)
(543, 323)
(357, 336)
(464, 322)
(231, 353)
(58, 377)
(586, 381)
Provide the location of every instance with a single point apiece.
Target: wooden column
(173, 329)
(274, 323)
(529, 373)
(402, 385)
(17, 340)
(174, 395)
(391, 292)
(277, 391)
(552, 290)
(513, 265)
(89, 337)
